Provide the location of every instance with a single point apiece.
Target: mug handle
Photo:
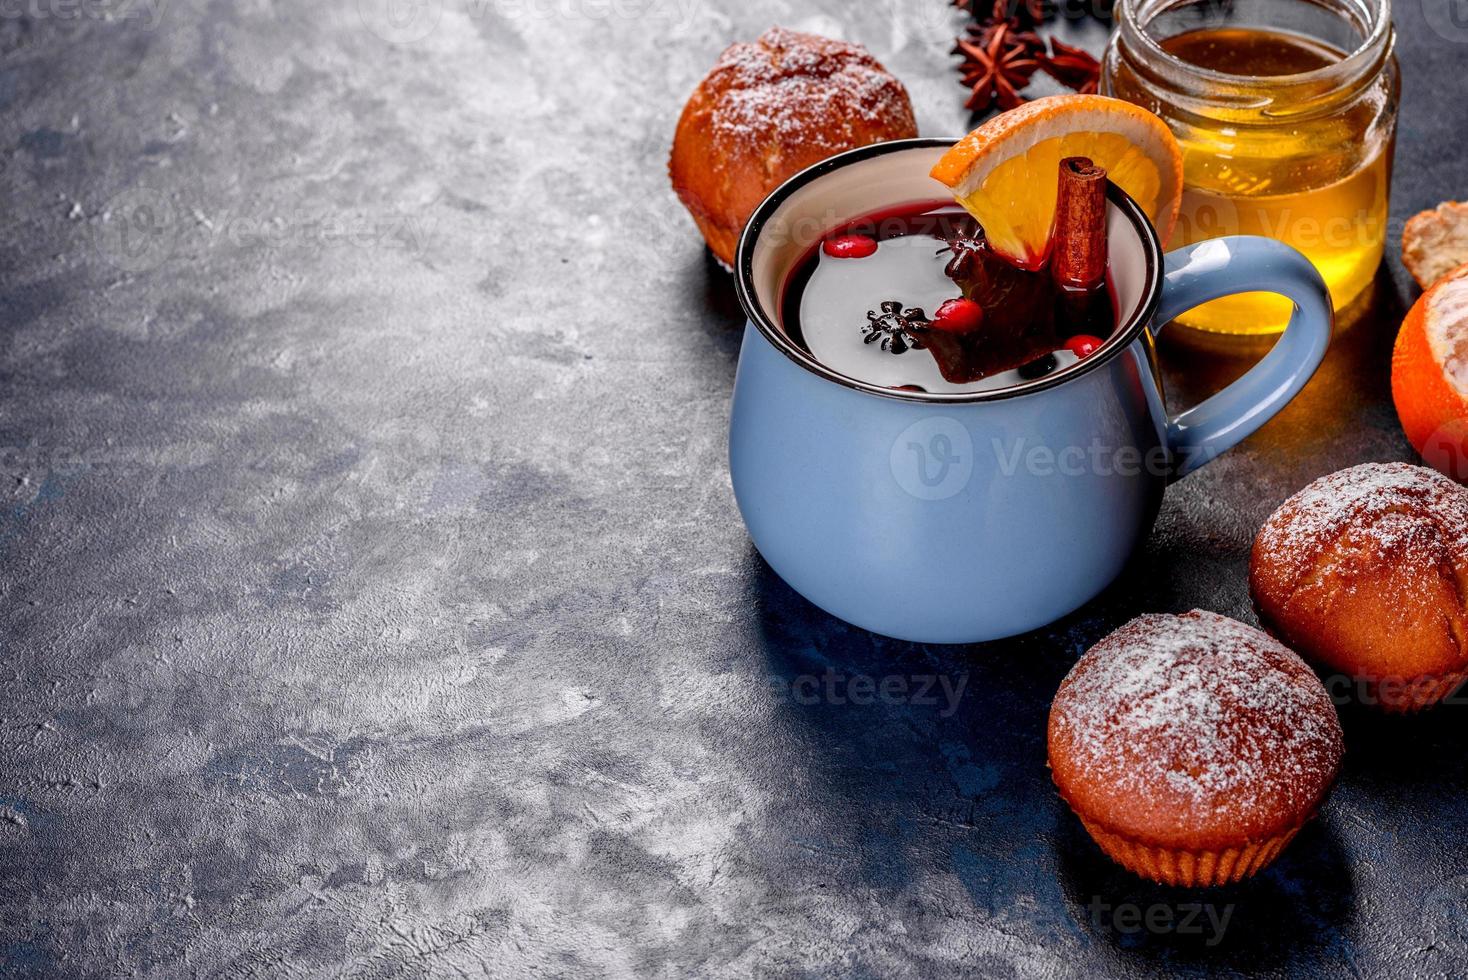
(1221, 267)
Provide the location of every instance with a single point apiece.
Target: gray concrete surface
(372, 598)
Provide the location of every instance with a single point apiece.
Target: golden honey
(1287, 134)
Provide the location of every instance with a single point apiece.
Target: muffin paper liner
(1190, 869)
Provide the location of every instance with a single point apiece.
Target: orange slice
(1005, 172)
(1430, 375)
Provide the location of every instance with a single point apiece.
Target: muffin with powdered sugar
(768, 110)
(1365, 573)
(1193, 748)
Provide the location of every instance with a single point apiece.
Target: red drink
(920, 287)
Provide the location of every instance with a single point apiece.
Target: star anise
(965, 250)
(982, 34)
(895, 327)
(1071, 67)
(997, 69)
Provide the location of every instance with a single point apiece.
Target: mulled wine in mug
(941, 446)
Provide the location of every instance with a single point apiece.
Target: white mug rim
(767, 325)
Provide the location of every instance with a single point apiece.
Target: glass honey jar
(1286, 112)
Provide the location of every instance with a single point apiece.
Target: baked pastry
(1435, 242)
(770, 109)
(1193, 747)
(1365, 573)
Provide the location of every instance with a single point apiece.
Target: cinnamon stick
(1078, 238)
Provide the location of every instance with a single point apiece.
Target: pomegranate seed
(849, 246)
(958, 316)
(1083, 345)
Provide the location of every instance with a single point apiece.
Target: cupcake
(1365, 573)
(1193, 748)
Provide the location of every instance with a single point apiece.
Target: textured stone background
(372, 598)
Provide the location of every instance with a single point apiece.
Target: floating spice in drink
(917, 299)
(1286, 114)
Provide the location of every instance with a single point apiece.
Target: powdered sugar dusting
(1409, 513)
(1199, 717)
(805, 88)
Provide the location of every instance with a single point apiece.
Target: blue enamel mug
(958, 518)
